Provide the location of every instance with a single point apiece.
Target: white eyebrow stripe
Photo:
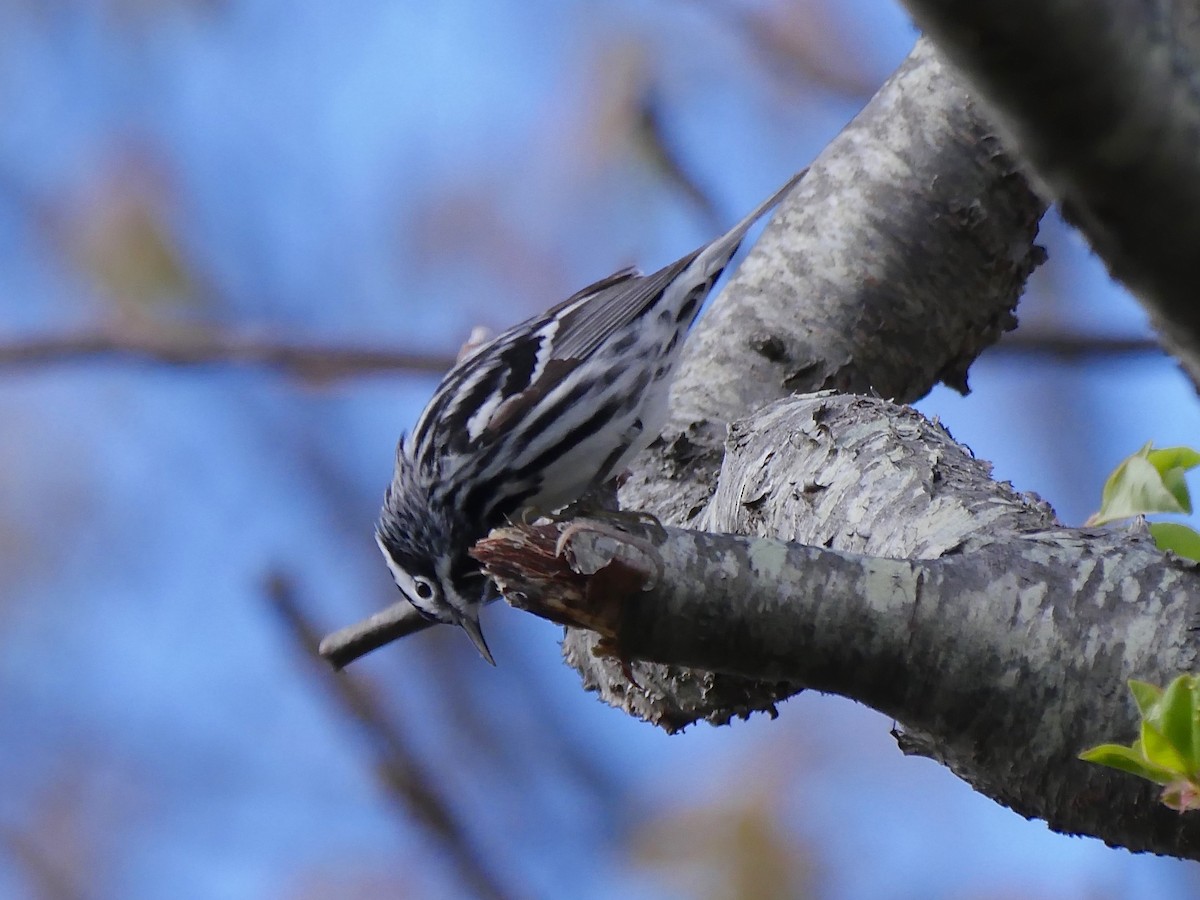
(404, 581)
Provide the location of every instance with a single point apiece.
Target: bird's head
(426, 552)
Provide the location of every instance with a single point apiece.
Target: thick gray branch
(903, 251)
(890, 267)
(1103, 99)
(897, 260)
(978, 648)
(1000, 640)
(853, 474)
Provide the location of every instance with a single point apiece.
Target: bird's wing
(522, 364)
(589, 317)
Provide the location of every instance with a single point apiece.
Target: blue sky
(394, 173)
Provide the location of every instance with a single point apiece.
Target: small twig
(43, 867)
(344, 646)
(329, 361)
(1075, 346)
(405, 778)
(324, 362)
(207, 347)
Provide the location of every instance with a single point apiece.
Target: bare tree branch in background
(1069, 347)
(44, 872)
(323, 361)
(194, 347)
(404, 778)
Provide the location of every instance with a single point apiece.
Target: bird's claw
(625, 538)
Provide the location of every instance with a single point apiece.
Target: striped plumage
(535, 417)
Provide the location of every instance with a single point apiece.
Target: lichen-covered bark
(1011, 658)
(910, 580)
(1103, 100)
(877, 559)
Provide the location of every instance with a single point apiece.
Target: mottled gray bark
(908, 580)
(896, 261)
(844, 543)
(871, 245)
(1103, 99)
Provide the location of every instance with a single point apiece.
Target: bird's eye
(424, 588)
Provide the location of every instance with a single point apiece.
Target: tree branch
(1068, 347)
(194, 347)
(344, 646)
(888, 269)
(404, 778)
(891, 266)
(1050, 630)
(963, 611)
(325, 361)
(854, 546)
(1101, 98)
(919, 178)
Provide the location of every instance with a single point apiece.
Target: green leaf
(1179, 539)
(1168, 751)
(1158, 751)
(1145, 695)
(1128, 759)
(1166, 458)
(1176, 485)
(1135, 488)
(1174, 716)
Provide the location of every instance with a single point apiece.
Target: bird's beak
(470, 624)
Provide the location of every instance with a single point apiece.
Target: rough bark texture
(915, 237)
(845, 543)
(912, 582)
(1000, 640)
(830, 295)
(1103, 99)
(897, 260)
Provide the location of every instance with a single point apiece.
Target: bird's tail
(716, 255)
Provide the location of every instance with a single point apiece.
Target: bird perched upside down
(534, 418)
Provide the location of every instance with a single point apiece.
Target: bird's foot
(606, 527)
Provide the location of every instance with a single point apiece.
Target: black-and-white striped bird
(534, 418)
